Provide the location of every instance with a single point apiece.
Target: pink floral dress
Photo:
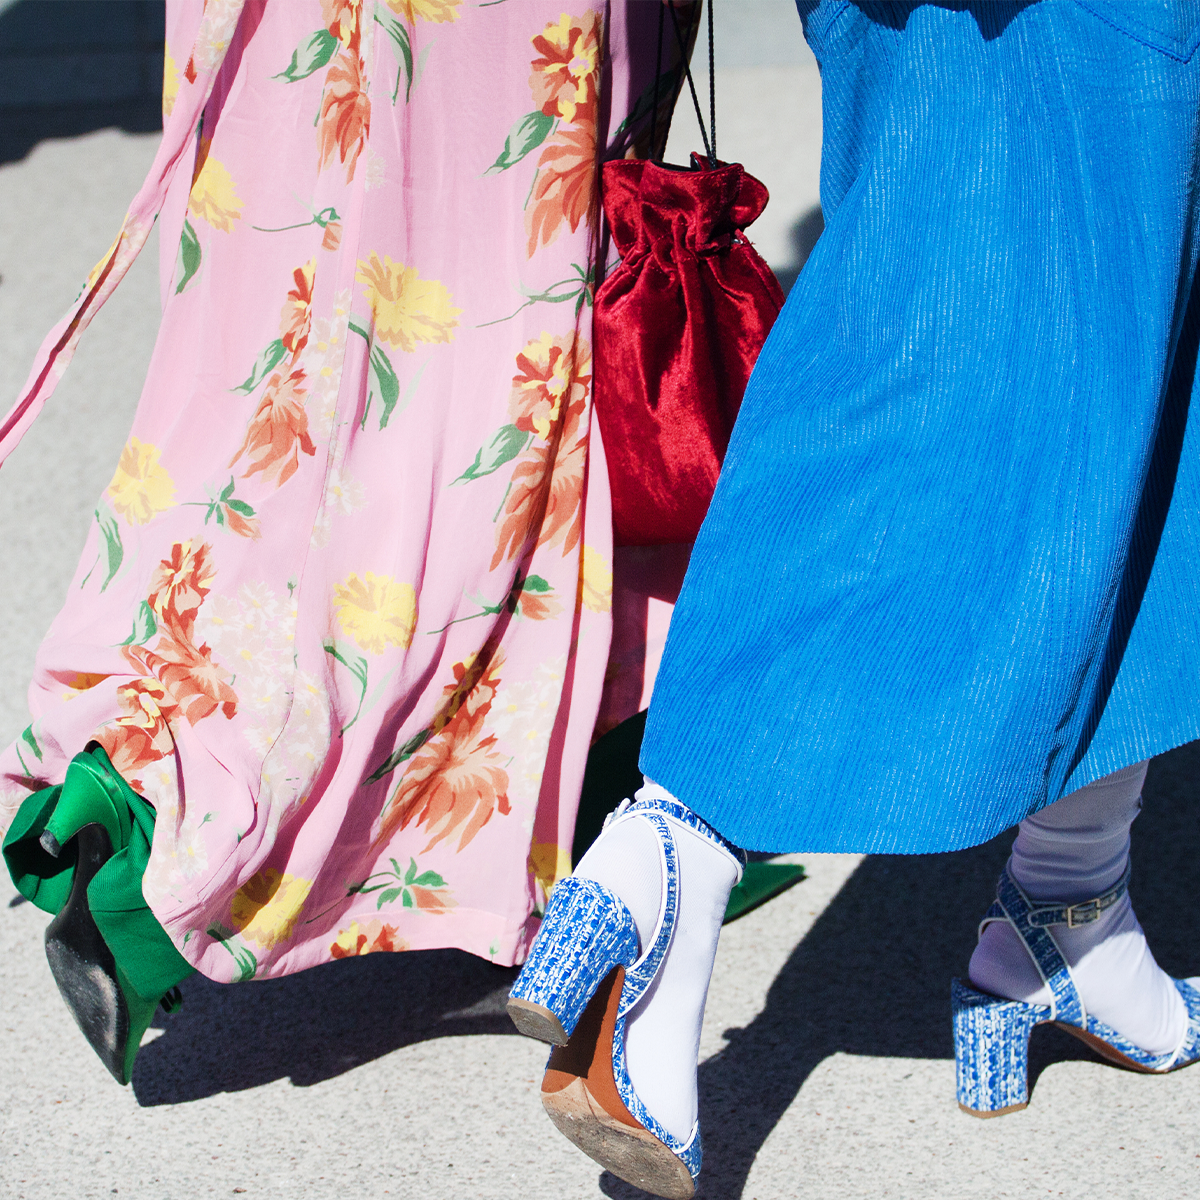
(345, 611)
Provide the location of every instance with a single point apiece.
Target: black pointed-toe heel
(109, 1013)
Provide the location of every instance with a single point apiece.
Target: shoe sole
(537, 1021)
(984, 1113)
(634, 1155)
(579, 1094)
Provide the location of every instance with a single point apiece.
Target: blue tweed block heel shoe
(991, 1035)
(583, 976)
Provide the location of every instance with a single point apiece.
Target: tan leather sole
(580, 1096)
(1109, 1052)
(983, 1114)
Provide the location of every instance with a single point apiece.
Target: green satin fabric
(143, 951)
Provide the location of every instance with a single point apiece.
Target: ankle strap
(684, 815)
(1013, 906)
(1072, 916)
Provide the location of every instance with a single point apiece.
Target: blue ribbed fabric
(922, 604)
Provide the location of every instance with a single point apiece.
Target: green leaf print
(403, 754)
(357, 666)
(145, 626)
(113, 550)
(268, 360)
(385, 382)
(398, 885)
(580, 288)
(187, 261)
(246, 962)
(402, 48)
(507, 442)
(526, 135)
(310, 56)
(31, 741)
(535, 583)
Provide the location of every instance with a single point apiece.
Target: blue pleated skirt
(951, 570)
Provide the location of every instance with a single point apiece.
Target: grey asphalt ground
(827, 1068)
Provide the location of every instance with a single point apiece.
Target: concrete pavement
(827, 1069)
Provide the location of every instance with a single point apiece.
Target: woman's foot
(1071, 852)
(662, 1033)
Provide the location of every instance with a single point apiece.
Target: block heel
(585, 933)
(585, 973)
(991, 1050)
(991, 1034)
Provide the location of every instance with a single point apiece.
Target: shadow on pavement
(317, 1024)
(68, 67)
(872, 978)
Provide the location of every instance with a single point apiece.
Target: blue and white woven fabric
(991, 1034)
(952, 568)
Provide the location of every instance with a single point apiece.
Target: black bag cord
(708, 136)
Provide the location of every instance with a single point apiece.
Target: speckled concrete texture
(827, 1071)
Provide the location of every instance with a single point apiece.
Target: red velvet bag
(677, 328)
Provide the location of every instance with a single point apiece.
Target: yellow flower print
(548, 864)
(267, 906)
(170, 83)
(567, 68)
(214, 196)
(407, 308)
(426, 10)
(595, 581)
(141, 488)
(376, 611)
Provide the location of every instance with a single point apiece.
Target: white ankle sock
(1074, 850)
(662, 1034)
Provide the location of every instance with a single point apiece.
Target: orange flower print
(538, 607)
(278, 431)
(197, 684)
(567, 68)
(343, 19)
(141, 735)
(239, 523)
(186, 673)
(333, 236)
(563, 519)
(296, 317)
(345, 117)
(178, 587)
(548, 398)
(564, 187)
(525, 506)
(366, 939)
(455, 779)
(548, 370)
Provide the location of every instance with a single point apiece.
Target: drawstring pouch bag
(677, 328)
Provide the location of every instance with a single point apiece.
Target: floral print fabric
(344, 613)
